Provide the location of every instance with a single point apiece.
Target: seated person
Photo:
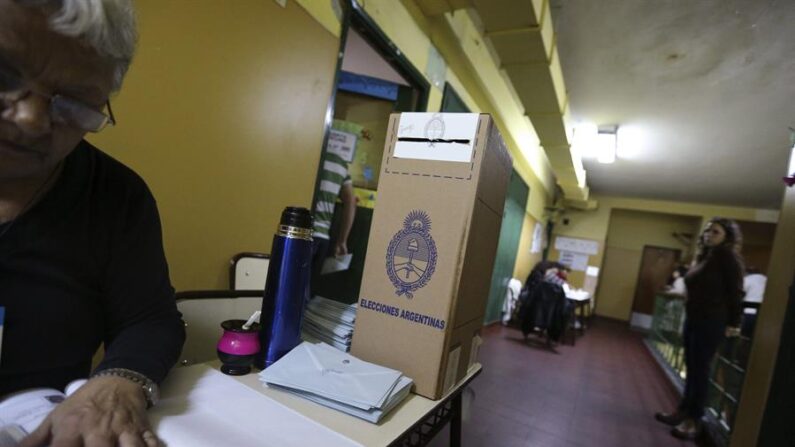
(563, 274)
(754, 285)
(676, 283)
(81, 253)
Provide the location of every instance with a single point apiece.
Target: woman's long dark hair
(733, 240)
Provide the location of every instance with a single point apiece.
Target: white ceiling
(708, 84)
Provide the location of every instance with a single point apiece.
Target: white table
(413, 423)
(582, 301)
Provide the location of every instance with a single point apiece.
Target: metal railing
(728, 367)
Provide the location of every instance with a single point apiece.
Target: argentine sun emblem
(434, 128)
(411, 255)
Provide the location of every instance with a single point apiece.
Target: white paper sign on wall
(576, 245)
(574, 261)
(538, 239)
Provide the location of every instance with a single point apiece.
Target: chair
(204, 310)
(248, 271)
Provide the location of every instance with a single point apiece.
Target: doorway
(656, 266)
(374, 79)
(452, 102)
(508, 245)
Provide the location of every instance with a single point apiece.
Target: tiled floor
(602, 392)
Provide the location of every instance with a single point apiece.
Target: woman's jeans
(701, 341)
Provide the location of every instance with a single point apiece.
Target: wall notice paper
(576, 245)
(574, 261)
(538, 239)
(342, 144)
(436, 136)
(202, 407)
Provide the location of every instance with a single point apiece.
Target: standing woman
(714, 295)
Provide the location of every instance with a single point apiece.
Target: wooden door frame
(523, 206)
(354, 16)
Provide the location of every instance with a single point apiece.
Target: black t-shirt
(82, 267)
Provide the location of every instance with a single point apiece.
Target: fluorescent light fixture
(590, 141)
(630, 142)
(606, 147)
(583, 140)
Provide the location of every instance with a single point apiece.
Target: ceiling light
(590, 141)
(606, 145)
(583, 141)
(630, 142)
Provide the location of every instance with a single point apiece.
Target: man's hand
(341, 248)
(348, 214)
(106, 411)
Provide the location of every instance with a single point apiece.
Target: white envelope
(373, 415)
(327, 372)
(336, 264)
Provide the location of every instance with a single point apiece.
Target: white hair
(106, 25)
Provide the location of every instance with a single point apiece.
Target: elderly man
(81, 255)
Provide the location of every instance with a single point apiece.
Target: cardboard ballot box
(432, 245)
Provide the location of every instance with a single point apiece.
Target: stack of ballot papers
(338, 380)
(330, 322)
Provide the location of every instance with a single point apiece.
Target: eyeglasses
(63, 110)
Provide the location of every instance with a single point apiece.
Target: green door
(510, 232)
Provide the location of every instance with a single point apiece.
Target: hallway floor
(603, 392)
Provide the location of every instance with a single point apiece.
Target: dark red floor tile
(601, 392)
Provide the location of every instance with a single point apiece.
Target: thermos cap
(296, 217)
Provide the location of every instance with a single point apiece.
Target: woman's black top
(715, 287)
(86, 266)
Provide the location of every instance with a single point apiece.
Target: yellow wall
(475, 74)
(594, 224)
(634, 229)
(223, 115)
(525, 260)
(373, 115)
(629, 232)
(612, 292)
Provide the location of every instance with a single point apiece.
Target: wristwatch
(148, 386)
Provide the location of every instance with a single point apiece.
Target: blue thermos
(287, 286)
